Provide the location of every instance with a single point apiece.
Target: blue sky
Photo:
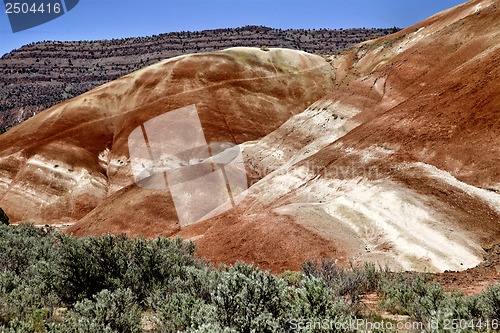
(106, 19)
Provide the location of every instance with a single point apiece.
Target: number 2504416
(35, 8)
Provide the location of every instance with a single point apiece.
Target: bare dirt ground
(474, 280)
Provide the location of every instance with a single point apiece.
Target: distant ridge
(40, 75)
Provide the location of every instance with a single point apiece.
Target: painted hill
(79, 157)
(387, 152)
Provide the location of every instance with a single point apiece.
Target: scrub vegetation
(53, 282)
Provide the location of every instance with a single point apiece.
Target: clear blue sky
(106, 19)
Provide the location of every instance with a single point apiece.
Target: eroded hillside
(386, 152)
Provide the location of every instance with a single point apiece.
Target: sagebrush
(52, 282)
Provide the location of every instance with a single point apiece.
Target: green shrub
(184, 302)
(88, 266)
(212, 328)
(491, 302)
(196, 281)
(50, 282)
(426, 302)
(25, 308)
(248, 299)
(315, 302)
(413, 294)
(374, 276)
(317, 299)
(151, 264)
(400, 294)
(4, 219)
(455, 307)
(116, 311)
(21, 247)
(348, 283)
(292, 278)
(92, 264)
(180, 311)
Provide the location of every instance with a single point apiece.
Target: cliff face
(386, 152)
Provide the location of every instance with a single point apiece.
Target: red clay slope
(62, 164)
(414, 179)
(442, 78)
